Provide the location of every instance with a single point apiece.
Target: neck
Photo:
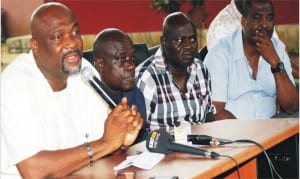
(57, 85)
(250, 50)
(180, 76)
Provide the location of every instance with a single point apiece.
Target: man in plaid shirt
(176, 85)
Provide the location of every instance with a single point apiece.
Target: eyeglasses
(180, 41)
(121, 60)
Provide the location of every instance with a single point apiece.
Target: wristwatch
(279, 67)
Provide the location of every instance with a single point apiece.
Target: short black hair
(173, 20)
(247, 4)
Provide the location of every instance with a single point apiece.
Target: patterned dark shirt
(166, 104)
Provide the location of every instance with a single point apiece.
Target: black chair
(141, 53)
(89, 55)
(153, 49)
(202, 53)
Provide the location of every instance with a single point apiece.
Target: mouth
(187, 56)
(129, 78)
(72, 58)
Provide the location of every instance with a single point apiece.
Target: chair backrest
(202, 53)
(89, 55)
(153, 49)
(141, 53)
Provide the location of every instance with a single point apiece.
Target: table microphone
(88, 76)
(206, 140)
(159, 141)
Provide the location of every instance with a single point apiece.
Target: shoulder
(145, 67)
(22, 70)
(278, 44)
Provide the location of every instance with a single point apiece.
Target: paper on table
(145, 160)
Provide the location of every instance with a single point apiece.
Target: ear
(34, 45)
(99, 64)
(163, 40)
(243, 21)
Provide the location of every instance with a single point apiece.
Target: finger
(124, 101)
(121, 106)
(140, 124)
(134, 110)
(109, 110)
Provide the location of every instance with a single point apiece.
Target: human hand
(265, 47)
(122, 126)
(133, 127)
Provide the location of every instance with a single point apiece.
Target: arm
(287, 95)
(121, 128)
(295, 70)
(221, 112)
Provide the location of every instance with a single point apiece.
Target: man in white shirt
(250, 70)
(227, 21)
(52, 123)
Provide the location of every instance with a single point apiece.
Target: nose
(71, 42)
(264, 23)
(186, 43)
(129, 64)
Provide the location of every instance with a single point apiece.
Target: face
(116, 66)
(180, 47)
(57, 43)
(260, 19)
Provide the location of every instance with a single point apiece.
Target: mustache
(78, 51)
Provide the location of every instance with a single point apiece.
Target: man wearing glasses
(114, 61)
(176, 85)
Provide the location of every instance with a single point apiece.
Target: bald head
(175, 20)
(47, 13)
(107, 38)
(114, 59)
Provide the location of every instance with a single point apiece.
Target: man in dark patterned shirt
(176, 85)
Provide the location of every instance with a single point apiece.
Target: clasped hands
(122, 125)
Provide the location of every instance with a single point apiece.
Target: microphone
(88, 76)
(207, 140)
(159, 141)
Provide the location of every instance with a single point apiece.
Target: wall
(137, 16)
(129, 15)
(17, 16)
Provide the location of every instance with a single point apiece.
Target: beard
(70, 70)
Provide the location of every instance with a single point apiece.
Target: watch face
(278, 68)
(281, 66)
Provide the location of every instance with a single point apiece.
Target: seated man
(228, 20)
(250, 69)
(114, 61)
(176, 85)
(52, 123)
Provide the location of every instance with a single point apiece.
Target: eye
(76, 32)
(270, 18)
(193, 39)
(58, 37)
(257, 17)
(178, 41)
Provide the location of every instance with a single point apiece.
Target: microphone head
(157, 142)
(87, 73)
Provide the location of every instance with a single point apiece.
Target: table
(268, 132)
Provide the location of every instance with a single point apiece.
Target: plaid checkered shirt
(166, 104)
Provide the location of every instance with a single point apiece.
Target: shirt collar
(238, 44)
